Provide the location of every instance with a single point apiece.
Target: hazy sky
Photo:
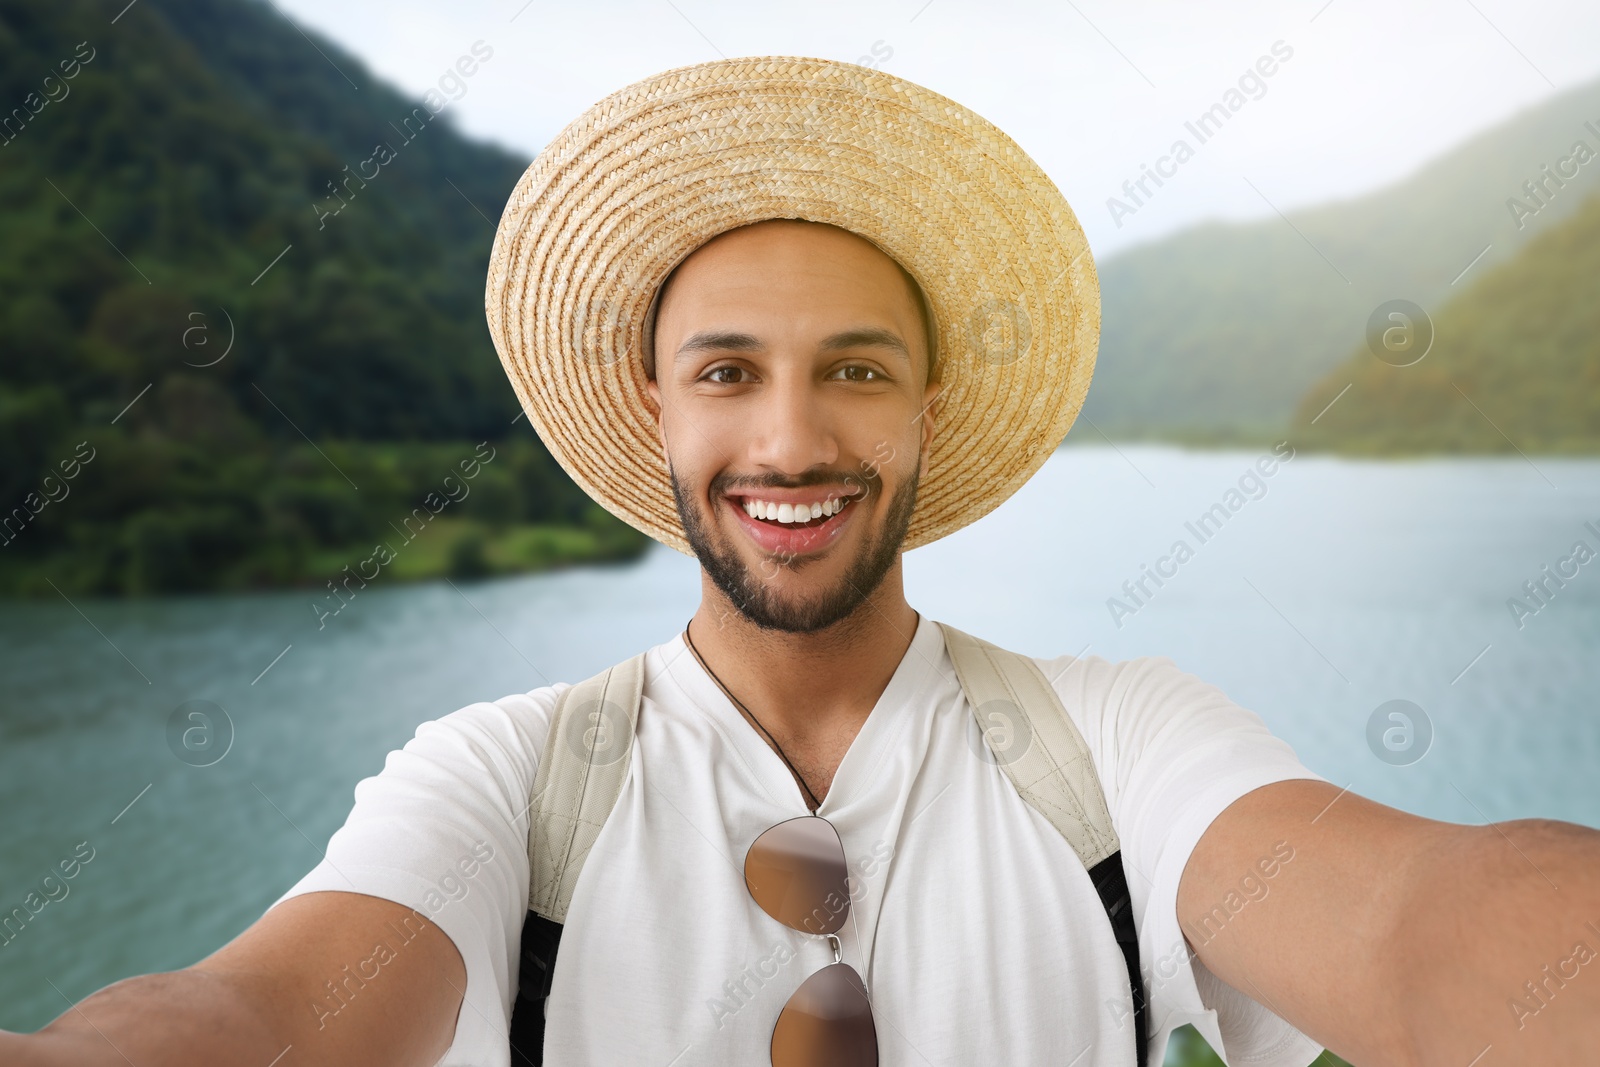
(1092, 89)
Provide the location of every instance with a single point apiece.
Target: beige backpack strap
(1034, 741)
(580, 777)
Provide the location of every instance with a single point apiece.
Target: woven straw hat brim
(649, 174)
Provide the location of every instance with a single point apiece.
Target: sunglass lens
(827, 1023)
(796, 872)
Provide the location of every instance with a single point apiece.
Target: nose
(792, 429)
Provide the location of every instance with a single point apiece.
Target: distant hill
(1221, 330)
(1515, 364)
(201, 140)
(200, 177)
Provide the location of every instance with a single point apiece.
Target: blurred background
(1350, 270)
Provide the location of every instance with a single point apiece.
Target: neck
(808, 688)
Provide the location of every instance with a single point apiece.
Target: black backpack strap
(540, 939)
(1111, 881)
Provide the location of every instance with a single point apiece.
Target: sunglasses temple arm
(857, 931)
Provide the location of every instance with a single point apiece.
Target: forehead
(788, 244)
(809, 273)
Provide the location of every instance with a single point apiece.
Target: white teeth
(792, 513)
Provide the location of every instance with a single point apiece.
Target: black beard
(752, 595)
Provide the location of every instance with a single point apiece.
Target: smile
(793, 527)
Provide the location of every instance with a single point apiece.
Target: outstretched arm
(1394, 939)
(305, 985)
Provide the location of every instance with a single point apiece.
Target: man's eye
(712, 375)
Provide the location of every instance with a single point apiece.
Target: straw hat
(652, 172)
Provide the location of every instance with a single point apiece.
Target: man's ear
(661, 417)
(928, 419)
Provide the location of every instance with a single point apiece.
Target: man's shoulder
(1141, 696)
(1093, 687)
(1081, 668)
(511, 709)
(1147, 683)
(1084, 667)
(521, 720)
(509, 730)
(1145, 712)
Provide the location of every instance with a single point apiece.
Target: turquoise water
(1333, 588)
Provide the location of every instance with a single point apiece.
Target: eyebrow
(728, 341)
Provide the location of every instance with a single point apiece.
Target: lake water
(1331, 588)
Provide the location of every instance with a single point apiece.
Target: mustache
(845, 482)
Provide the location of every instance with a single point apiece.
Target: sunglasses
(796, 872)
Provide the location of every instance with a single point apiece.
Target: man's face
(790, 370)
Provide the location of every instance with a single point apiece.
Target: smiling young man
(796, 318)
(792, 372)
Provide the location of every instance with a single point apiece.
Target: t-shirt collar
(918, 672)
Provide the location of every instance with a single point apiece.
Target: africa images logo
(1251, 485)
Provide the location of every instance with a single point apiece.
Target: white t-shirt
(977, 930)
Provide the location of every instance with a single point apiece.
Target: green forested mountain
(1220, 330)
(190, 178)
(1514, 364)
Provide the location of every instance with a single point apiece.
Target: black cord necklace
(814, 802)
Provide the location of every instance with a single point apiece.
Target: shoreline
(457, 548)
(1222, 439)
